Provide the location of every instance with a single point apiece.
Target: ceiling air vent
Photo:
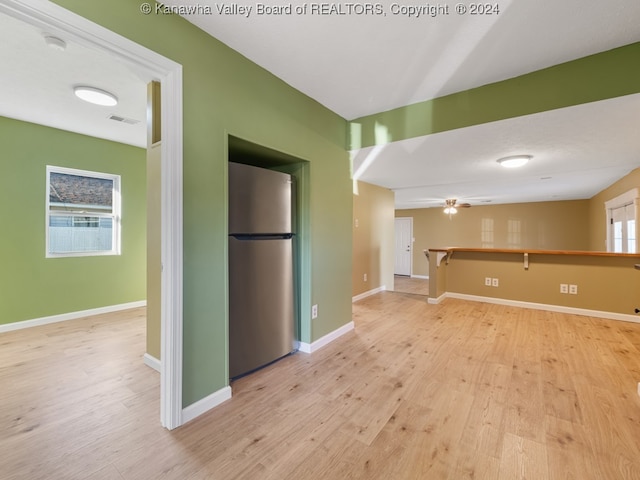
(118, 118)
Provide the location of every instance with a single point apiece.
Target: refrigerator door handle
(262, 236)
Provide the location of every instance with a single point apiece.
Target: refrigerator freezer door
(261, 315)
(259, 200)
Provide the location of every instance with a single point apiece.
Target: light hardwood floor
(460, 390)
(415, 286)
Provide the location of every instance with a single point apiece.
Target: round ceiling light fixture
(95, 96)
(514, 161)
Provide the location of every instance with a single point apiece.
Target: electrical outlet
(573, 289)
(494, 282)
(314, 312)
(365, 277)
(487, 281)
(564, 288)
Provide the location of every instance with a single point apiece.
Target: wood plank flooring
(460, 390)
(404, 284)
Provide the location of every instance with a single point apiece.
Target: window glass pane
(75, 192)
(617, 237)
(79, 234)
(631, 236)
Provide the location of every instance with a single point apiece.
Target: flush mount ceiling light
(514, 161)
(95, 96)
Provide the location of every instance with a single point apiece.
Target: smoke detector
(55, 43)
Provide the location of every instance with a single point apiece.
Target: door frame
(631, 197)
(55, 19)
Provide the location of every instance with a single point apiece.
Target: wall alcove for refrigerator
(241, 151)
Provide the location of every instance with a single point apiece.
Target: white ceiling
(577, 152)
(36, 85)
(358, 65)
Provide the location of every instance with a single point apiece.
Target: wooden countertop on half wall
(587, 253)
(594, 283)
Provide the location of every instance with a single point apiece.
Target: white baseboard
(544, 306)
(436, 301)
(424, 277)
(8, 327)
(201, 406)
(328, 338)
(207, 403)
(151, 361)
(368, 293)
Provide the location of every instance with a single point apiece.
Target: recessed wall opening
(250, 153)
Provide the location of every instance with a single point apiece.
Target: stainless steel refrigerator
(261, 287)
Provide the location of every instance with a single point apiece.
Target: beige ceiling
(358, 64)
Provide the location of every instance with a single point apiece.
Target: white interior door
(404, 245)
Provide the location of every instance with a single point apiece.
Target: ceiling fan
(451, 206)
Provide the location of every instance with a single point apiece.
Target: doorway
(57, 20)
(622, 222)
(623, 229)
(404, 281)
(403, 246)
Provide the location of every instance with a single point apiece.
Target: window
(83, 213)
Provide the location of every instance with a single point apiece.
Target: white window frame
(632, 197)
(115, 215)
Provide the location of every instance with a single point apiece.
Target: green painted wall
(226, 94)
(597, 77)
(33, 286)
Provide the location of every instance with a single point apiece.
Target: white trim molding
(436, 301)
(55, 19)
(424, 277)
(63, 317)
(368, 293)
(207, 403)
(544, 306)
(327, 339)
(171, 308)
(151, 361)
